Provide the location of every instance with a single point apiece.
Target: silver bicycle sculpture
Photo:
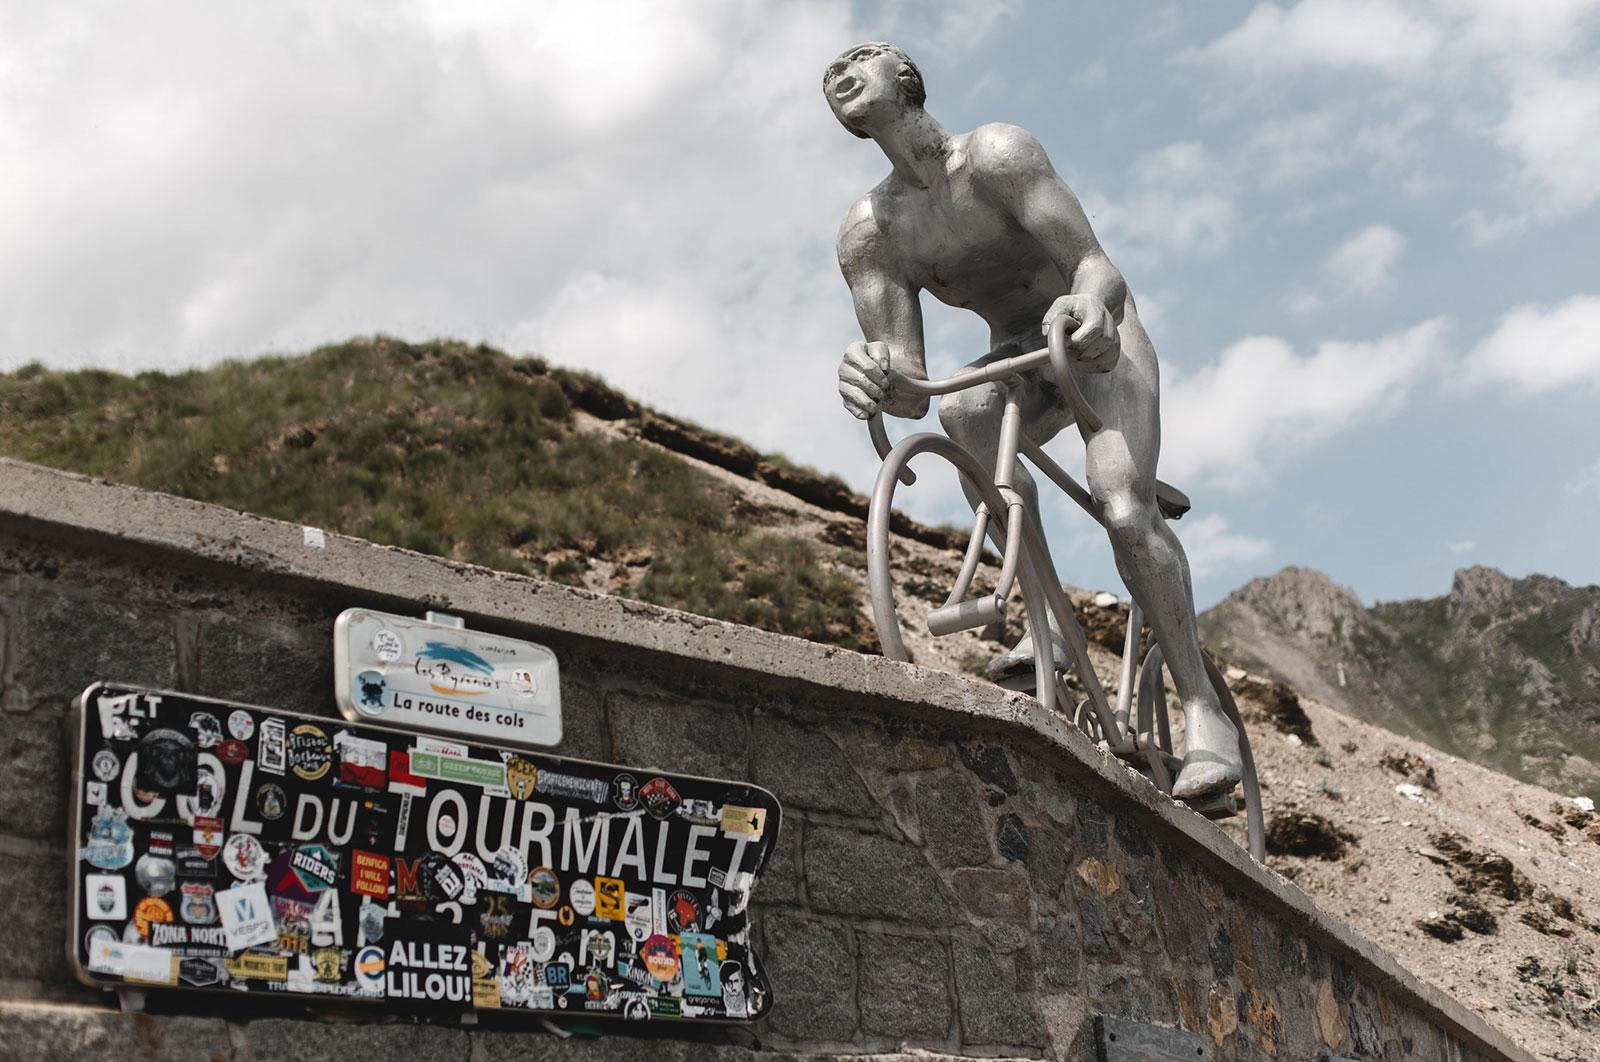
(1135, 730)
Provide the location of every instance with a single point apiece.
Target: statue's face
(863, 85)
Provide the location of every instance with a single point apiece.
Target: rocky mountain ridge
(1502, 671)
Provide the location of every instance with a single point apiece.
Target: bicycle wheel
(885, 614)
(1153, 710)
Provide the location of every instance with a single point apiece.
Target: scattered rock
(1273, 703)
(1554, 829)
(1476, 870)
(1436, 924)
(1410, 766)
(1410, 792)
(1306, 834)
(1105, 599)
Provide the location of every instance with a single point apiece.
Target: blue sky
(1363, 233)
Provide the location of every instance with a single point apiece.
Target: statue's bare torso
(974, 255)
(951, 240)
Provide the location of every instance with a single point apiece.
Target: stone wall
(957, 872)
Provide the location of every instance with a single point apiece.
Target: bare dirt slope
(1483, 885)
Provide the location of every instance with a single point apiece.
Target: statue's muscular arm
(890, 317)
(1011, 170)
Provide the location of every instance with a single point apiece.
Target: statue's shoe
(1014, 667)
(1212, 763)
(1201, 778)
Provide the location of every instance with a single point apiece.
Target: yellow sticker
(610, 899)
(751, 822)
(259, 966)
(485, 993)
(522, 777)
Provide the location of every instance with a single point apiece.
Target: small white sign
(246, 916)
(105, 896)
(427, 675)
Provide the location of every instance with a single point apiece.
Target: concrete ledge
(64, 509)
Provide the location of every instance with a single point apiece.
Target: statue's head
(871, 83)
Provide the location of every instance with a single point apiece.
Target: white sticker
(544, 943)
(314, 538)
(581, 894)
(387, 646)
(271, 752)
(640, 918)
(246, 916)
(241, 724)
(94, 793)
(136, 962)
(105, 896)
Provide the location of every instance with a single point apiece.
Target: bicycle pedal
(1216, 806)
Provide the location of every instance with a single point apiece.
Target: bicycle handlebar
(1055, 353)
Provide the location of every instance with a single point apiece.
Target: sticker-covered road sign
(320, 857)
(423, 675)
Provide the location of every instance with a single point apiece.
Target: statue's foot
(1211, 762)
(1017, 662)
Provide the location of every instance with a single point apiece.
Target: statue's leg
(1121, 469)
(972, 418)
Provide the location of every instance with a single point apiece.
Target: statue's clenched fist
(864, 378)
(1095, 343)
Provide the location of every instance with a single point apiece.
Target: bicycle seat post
(1005, 462)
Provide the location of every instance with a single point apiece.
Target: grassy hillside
(445, 448)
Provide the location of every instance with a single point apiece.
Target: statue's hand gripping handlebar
(993, 372)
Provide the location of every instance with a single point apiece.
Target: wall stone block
(71, 637)
(991, 1010)
(33, 916)
(289, 1040)
(53, 1032)
(905, 986)
(652, 731)
(954, 825)
(34, 754)
(868, 875)
(813, 970)
(275, 664)
(809, 770)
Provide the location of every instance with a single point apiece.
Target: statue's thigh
(1122, 455)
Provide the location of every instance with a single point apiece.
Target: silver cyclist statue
(982, 221)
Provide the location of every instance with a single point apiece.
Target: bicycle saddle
(1172, 502)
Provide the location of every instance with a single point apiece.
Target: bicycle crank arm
(964, 615)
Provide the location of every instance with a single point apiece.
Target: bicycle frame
(1001, 516)
(1041, 590)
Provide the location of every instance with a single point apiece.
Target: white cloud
(1364, 263)
(1228, 424)
(1535, 349)
(1374, 34)
(1178, 204)
(1213, 549)
(1302, 301)
(1534, 62)
(1296, 147)
(1553, 130)
(1465, 545)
